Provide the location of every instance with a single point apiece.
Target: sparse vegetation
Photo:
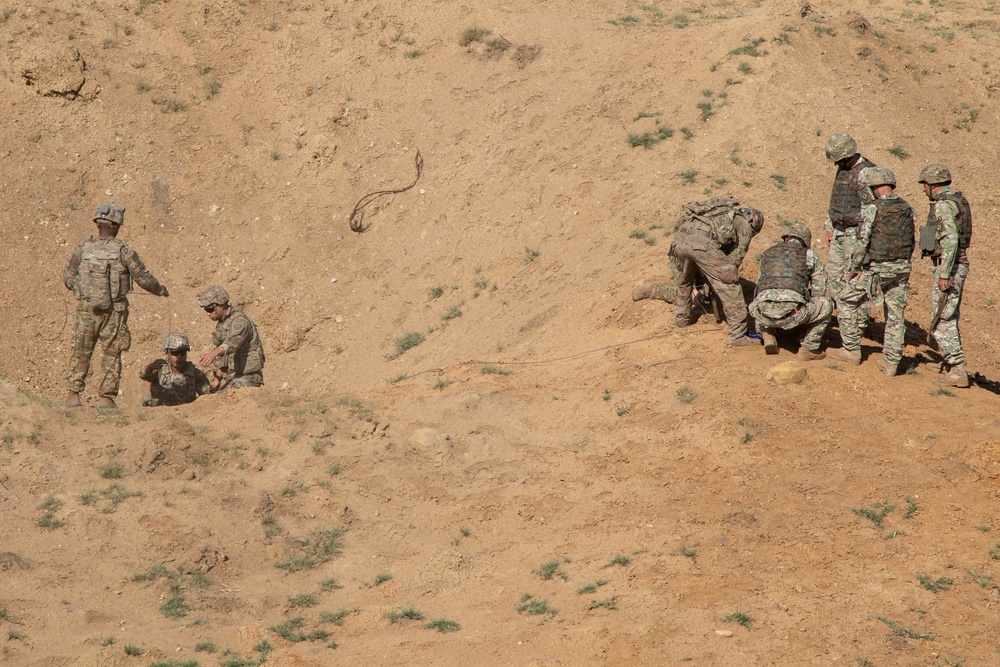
(688, 551)
(321, 547)
(530, 255)
(591, 588)
(112, 470)
(302, 600)
(750, 48)
(741, 618)
(689, 175)
(608, 603)
(443, 625)
(876, 514)
(49, 507)
(408, 614)
(898, 151)
(619, 560)
(934, 585)
(779, 181)
(473, 34)
(132, 649)
(493, 370)
(534, 607)
(381, 578)
(902, 630)
(550, 570)
(685, 395)
(408, 341)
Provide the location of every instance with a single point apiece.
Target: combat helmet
(753, 217)
(797, 230)
(935, 174)
(110, 213)
(213, 294)
(840, 147)
(176, 341)
(875, 176)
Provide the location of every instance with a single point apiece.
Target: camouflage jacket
(735, 247)
(947, 234)
(125, 267)
(238, 335)
(174, 388)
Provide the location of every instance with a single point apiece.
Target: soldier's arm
(140, 274)
(151, 371)
(201, 383)
(817, 278)
(868, 214)
(947, 211)
(744, 234)
(239, 333)
(72, 267)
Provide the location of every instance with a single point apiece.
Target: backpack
(99, 279)
(716, 213)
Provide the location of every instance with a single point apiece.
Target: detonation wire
(356, 221)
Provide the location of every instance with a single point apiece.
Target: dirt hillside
(472, 446)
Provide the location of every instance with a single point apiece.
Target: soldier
(879, 270)
(668, 291)
(950, 224)
(239, 355)
(712, 238)
(844, 213)
(100, 272)
(791, 293)
(173, 380)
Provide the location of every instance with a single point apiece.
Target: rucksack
(99, 279)
(716, 212)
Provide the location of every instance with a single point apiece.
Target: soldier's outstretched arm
(744, 234)
(140, 274)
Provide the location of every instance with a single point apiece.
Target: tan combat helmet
(213, 294)
(840, 147)
(753, 217)
(176, 341)
(875, 176)
(111, 214)
(799, 231)
(935, 174)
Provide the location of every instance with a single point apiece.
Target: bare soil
(548, 433)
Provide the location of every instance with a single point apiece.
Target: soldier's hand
(165, 292)
(829, 239)
(944, 284)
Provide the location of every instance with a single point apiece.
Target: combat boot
(809, 355)
(770, 342)
(888, 368)
(742, 341)
(73, 400)
(955, 377)
(654, 291)
(106, 403)
(852, 357)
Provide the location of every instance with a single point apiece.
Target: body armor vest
(102, 278)
(784, 267)
(845, 202)
(892, 231)
(963, 221)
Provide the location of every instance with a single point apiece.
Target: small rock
(724, 633)
(789, 372)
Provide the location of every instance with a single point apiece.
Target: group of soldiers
(871, 236)
(100, 273)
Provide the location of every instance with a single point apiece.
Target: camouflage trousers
(842, 247)
(248, 380)
(813, 316)
(885, 286)
(946, 332)
(111, 331)
(694, 254)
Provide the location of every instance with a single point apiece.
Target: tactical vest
(784, 266)
(892, 231)
(845, 202)
(102, 278)
(711, 217)
(247, 358)
(963, 221)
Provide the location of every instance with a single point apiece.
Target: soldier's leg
(115, 339)
(661, 291)
(852, 306)
(249, 380)
(686, 270)
(841, 247)
(724, 279)
(895, 288)
(946, 333)
(814, 318)
(85, 335)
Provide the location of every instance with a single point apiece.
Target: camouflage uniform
(784, 308)
(950, 263)
(885, 283)
(243, 361)
(168, 387)
(715, 249)
(843, 218)
(100, 272)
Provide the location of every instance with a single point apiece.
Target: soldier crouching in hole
(174, 380)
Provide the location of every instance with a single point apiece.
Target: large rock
(789, 372)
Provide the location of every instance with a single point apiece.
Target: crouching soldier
(791, 293)
(238, 358)
(173, 380)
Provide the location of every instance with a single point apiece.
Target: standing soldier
(712, 238)
(844, 214)
(950, 225)
(879, 270)
(239, 355)
(791, 293)
(100, 272)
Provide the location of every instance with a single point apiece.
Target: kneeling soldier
(791, 293)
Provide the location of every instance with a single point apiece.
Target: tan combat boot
(106, 403)
(73, 400)
(742, 341)
(888, 368)
(955, 377)
(809, 355)
(852, 357)
(659, 291)
(770, 342)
